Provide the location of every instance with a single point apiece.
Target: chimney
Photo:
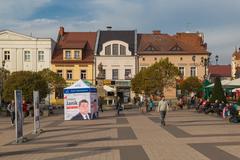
(109, 28)
(61, 31)
(156, 32)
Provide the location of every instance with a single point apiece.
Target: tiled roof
(125, 36)
(220, 70)
(181, 43)
(75, 40)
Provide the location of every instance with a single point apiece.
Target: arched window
(122, 50)
(108, 50)
(115, 49)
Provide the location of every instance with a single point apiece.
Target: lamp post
(2, 79)
(205, 62)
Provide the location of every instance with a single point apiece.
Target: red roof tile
(220, 70)
(75, 40)
(181, 43)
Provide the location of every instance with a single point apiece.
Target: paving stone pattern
(133, 135)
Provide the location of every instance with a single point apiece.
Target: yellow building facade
(73, 59)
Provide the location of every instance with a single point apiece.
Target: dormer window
(67, 54)
(115, 48)
(76, 55)
(122, 50)
(108, 50)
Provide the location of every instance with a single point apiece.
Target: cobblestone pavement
(187, 136)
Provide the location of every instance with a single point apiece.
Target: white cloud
(217, 19)
(19, 8)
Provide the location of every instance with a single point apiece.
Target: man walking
(163, 108)
(11, 109)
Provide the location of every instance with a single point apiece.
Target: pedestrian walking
(145, 105)
(163, 108)
(118, 105)
(100, 103)
(11, 109)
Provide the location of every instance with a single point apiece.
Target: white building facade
(25, 53)
(116, 51)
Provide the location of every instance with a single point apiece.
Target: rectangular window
(59, 72)
(128, 74)
(40, 56)
(108, 50)
(193, 71)
(76, 55)
(69, 74)
(27, 55)
(7, 55)
(83, 74)
(115, 74)
(67, 54)
(115, 49)
(122, 50)
(181, 70)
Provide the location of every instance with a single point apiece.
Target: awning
(108, 88)
(223, 82)
(236, 89)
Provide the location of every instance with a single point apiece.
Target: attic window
(150, 48)
(176, 48)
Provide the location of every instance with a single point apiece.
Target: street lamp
(205, 62)
(2, 79)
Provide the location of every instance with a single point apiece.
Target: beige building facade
(187, 51)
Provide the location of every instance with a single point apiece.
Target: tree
(27, 82)
(191, 84)
(55, 82)
(155, 78)
(217, 91)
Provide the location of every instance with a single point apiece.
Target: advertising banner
(80, 102)
(36, 112)
(18, 115)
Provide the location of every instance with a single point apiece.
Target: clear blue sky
(217, 19)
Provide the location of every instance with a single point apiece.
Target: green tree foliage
(217, 91)
(27, 82)
(54, 81)
(191, 84)
(154, 78)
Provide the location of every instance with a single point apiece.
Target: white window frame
(67, 52)
(128, 52)
(183, 70)
(27, 56)
(60, 73)
(69, 75)
(113, 77)
(7, 56)
(82, 74)
(129, 75)
(191, 71)
(77, 52)
(41, 56)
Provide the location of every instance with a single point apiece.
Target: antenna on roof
(109, 28)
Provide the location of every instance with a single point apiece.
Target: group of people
(146, 104)
(221, 108)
